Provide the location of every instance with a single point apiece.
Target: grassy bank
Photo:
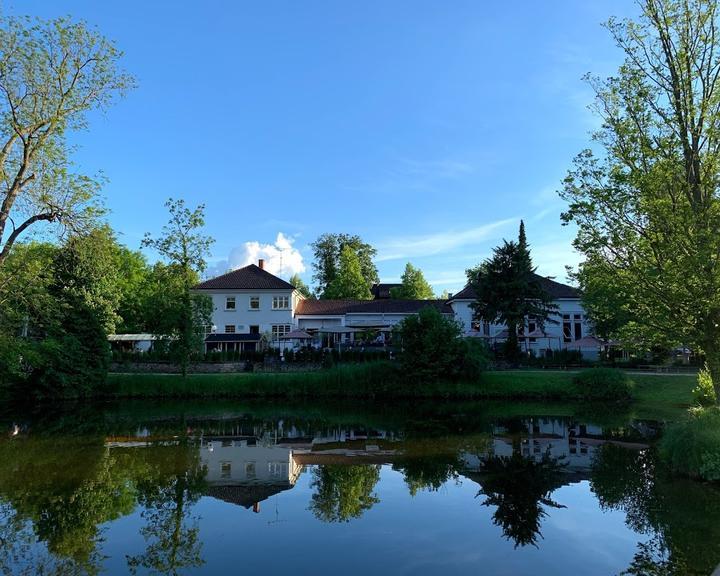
(665, 396)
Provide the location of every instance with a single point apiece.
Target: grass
(660, 396)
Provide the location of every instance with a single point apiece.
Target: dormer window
(281, 302)
(230, 303)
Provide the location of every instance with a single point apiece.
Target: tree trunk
(712, 358)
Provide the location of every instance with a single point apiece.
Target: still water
(225, 488)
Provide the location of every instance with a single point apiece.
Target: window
(475, 326)
(532, 326)
(229, 328)
(567, 328)
(250, 470)
(254, 329)
(230, 303)
(279, 330)
(281, 302)
(578, 326)
(225, 469)
(254, 302)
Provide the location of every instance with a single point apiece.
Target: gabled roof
(555, 289)
(389, 306)
(250, 277)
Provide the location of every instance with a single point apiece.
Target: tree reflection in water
(343, 492)
(519, 487)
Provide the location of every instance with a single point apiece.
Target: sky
(429, 128)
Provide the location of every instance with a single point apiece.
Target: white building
(250, 303)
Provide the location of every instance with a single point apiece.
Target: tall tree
(508, 291)
(349, 281)
(184, 246)
(414, 286)
(647, 209)
(300, 286)
(327, 250)
(52, 74)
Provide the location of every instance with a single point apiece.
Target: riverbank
(660, 395)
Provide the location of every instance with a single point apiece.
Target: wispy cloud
(432, 244)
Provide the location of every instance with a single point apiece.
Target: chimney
(261, 264)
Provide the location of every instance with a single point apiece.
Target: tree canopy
(647, 207)
(414, 286)
(300, 286)
(508, 291)
(349, 281)
(52, 74)
(327, 251)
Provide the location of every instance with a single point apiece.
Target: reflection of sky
(443, 532)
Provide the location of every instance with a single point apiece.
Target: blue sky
(427, 127)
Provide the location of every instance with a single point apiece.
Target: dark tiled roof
(233, 338)
(250, 277)
(382, 306)
(555, 289)
(245, 495)
(382, 290)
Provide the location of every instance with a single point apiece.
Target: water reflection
(61, 492)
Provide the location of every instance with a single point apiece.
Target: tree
(185, 248)
(508, 291)
(52, 74)
(414, 286)
(348, 281)
(647, 209)
(434, 350)
(343, 492)
(300, 286)
(327, 250)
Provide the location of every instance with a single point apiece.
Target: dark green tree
(301, 287)
(509, 292)
(414, 286)
(343, 492)
(349, 281)
(327, 250)
(184, 246)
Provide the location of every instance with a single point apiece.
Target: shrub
(692, 447)
(704, 393)
(606, 384)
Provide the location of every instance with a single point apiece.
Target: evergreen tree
(508, 291)
(300, 286)
(414, 286)
(349, 281)
(327, 250)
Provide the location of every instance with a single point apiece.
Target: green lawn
(663, 396)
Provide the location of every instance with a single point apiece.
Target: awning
(233, 338)
(338, 330)
(297, 335)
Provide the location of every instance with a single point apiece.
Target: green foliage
(604, 384)
(508, 291)
(646, 207)
(692, 447)
(52, 75)
(704, 393)
(185, 247)
(433, 349)
(342, 492)
(348, 281)
(414, 286)
(327, 251)
(301, 287)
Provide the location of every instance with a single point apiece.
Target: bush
(704, 393)
(692, 447)
(606, 384)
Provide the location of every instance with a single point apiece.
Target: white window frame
(232, 328)
(279, 330)
(250, 303)
(228, 300)
(277, 300)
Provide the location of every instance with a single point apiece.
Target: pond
(264, 488)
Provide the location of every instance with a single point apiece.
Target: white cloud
(281, 257)
(415, 246)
